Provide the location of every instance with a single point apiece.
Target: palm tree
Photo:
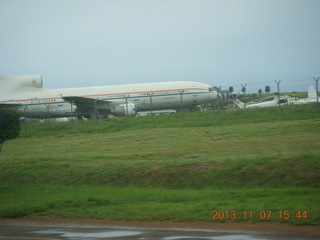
(260, 92)
(230, 90)
(267, 89)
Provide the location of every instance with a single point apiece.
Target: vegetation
(9, 125)
(267, 89)
(169, 168)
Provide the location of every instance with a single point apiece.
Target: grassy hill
(169, 168)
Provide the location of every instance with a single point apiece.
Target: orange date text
(263, 214)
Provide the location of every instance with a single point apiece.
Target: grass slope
(168, 167)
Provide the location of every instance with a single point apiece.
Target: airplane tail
(20, 82)
(312, 94)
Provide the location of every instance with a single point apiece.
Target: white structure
(283, 100)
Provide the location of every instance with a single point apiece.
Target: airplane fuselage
(119, 100)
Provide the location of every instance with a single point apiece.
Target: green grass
(167, 168)
(157, 203)
(190, 119)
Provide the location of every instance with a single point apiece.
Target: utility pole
(48, 114)
(24, 115)
(219, 102)
(151, 106)
(243, 89)
(181, 103)
(278, 86)
(72, 111)
(126, 113)
(317, 90)
(96, 110)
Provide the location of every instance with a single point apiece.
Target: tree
(260, 92)
(9, 125)
(267, 89)
(231, 90)
(243, 89)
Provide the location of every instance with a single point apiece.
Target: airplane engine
(124, 110)
(21, 82)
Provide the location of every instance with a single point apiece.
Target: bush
(9, 125)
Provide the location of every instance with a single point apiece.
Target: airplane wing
(94, 107)
(88, 103)
(10, 105)
(89, 106)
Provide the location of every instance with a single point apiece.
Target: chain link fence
(286, 85)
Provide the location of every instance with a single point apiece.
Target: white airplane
(25, 93)
(283, 100)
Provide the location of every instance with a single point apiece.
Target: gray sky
(76, 43)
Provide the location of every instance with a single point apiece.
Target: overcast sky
(76, 43)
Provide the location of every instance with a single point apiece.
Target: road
(53, 229)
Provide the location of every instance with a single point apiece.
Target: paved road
(71, 230)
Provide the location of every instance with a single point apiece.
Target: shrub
(9, 125)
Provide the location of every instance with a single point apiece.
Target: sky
(80, 43)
